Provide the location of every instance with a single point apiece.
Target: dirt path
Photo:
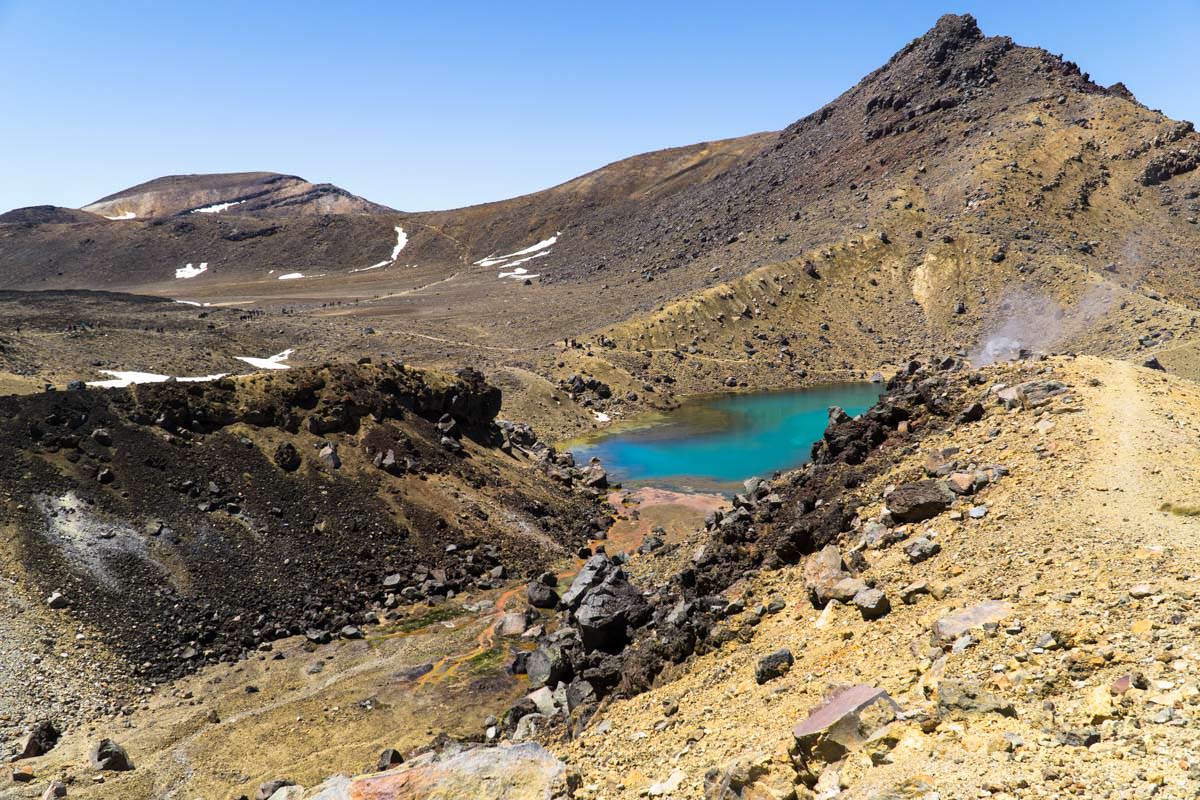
(1142, 454)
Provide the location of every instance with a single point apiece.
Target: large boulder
(547, 665)
(41, 739)
(540, 595)
(948, 628)
(590, 575)
(773, 665)
(919, 501)
(841, 724)
(872, 604)
(286, 457)
(508, 772)
(823, 571)
(608, 613)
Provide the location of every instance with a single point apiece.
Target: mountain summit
(250, 193)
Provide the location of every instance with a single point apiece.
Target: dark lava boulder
(920, 500)
(547, 666)
(609, 611)
(589, 576)
(389, 758)
(541, 596)
(41, 739)
(286, 457)
(108, 755)
(773, 665)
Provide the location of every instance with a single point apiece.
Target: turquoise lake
(713, 443)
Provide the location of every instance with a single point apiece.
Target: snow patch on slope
(501, 260)
(401, 243)
(518, 273)
(122, 378)
(271, 362)
(216, 208)
(190, 272)
(122, 217)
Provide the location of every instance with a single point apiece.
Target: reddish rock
(516, 772)
(961, 482)
(822, 571)
(952, 626)
(841, 724)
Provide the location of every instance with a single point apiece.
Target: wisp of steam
(1025, 320)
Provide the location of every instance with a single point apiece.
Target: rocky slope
(1035, 640)
(977, 590)
(176, 524)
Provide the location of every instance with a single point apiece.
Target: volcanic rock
(108, 755)
(919, 501)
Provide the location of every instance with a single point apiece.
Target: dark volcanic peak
(952, 99)
(246, 193)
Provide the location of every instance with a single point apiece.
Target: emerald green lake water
(713, 443)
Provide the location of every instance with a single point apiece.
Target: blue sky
(441, 104)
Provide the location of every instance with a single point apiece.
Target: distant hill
(249, 193)
(47, 215)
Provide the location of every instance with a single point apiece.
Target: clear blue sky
(440, 104)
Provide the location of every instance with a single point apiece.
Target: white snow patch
(373, 266)
(511, 264)
(122, 217)
(543, 245)
(121, 378)
(401, 242)
(518, 273)
(271, 362)
(190, 272)
(216, 208)
(601, 416)
(291, 276)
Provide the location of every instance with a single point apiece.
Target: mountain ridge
(251, 193)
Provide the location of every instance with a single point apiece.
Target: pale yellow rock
(879, 745)
(1098, 705)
